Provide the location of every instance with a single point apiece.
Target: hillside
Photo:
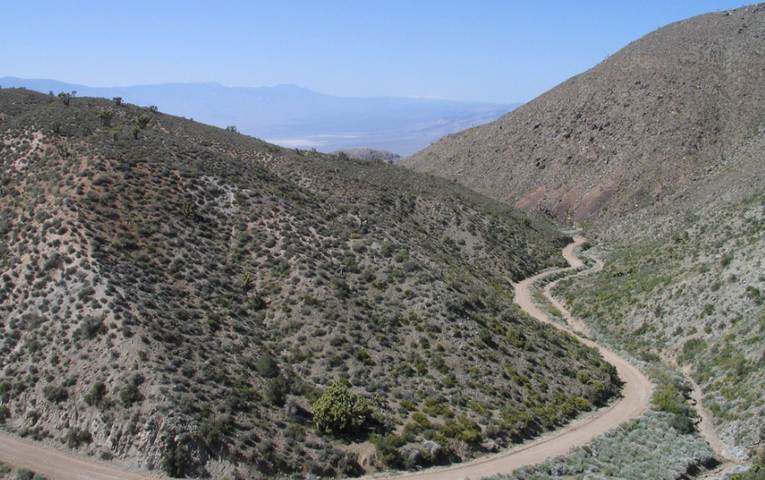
(667, 109)
(298, 117)
(370, 154)
(182, 297)
(686, 284)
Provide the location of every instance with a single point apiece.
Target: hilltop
(667, 109)
(184, 297)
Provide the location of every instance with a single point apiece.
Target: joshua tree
(106, 117)
(143, 121)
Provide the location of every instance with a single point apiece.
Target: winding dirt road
(633, 403)
(58, 465)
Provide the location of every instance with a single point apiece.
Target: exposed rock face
(625, 134)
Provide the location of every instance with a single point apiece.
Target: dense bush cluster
(341, 411)
(649, 448)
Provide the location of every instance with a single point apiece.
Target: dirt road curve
(58, 465)
(635, 399)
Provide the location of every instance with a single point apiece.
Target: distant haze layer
(297, 117)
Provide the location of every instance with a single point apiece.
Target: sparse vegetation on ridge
(201, 289)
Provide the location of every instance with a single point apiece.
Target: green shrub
(90, 328)
(76, 437)
(668, 398)
(24, 474)
(129, 394)
(276, 391)
(175, 459)
(387, 450)
(462, 429)
(96, 396)
(757, 472)
(693, 347)
(266, 366)
(340, 411)
(55, 393)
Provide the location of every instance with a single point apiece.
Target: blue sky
(503, 51)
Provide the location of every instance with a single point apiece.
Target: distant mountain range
(293, 116)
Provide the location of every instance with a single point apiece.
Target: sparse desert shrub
(340, 411)
(55, 393)
(266, 366)
(668, 398)
(106, 117)
(5, 413)
(692, 347)
(130, 394)
(143, 121)
(757, 472)
(26, 474)
(276, 391)
(175, 458)
(387, 450)
(96, 396)
(90, 328)
(76, 437)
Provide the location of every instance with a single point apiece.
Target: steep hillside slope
(188, 298)
(688, 284)
(644, 123)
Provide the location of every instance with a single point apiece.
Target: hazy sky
(470, 50)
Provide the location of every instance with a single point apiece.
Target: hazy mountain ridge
(299, 117)
(179, 297)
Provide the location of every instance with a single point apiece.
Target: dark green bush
(668, 398)
(24, 474)
(76, 437)
(276, 391)
(55, 393)
(96, 396)
(340, 411)
(175, 459)
(129, 394)
(266, 366)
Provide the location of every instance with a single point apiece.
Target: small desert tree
(340, 411)
(106, 117)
